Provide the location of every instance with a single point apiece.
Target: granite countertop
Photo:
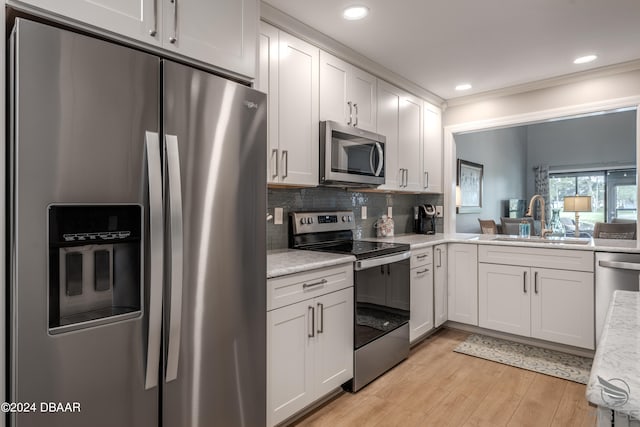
(290, 261)
(420, 240)
(615, 375)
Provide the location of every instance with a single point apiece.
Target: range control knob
(344, 219)
(310, 220)
(302, 221)
(350, 218)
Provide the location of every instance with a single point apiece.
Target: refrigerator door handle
(176, 254)
(156, 245)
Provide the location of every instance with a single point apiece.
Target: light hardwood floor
(437, 387)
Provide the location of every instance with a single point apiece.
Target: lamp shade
(577, 204)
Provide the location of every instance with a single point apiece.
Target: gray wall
(503, 153)
(325, 198)
(603, 141)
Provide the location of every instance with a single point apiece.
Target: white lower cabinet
(462, 283)
(503, 298)
(549, 304)
(440, 285)
(309, 343)
(421, 297)
(563, 307)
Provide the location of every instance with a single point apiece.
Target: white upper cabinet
(221, 33)
(410, 142)
(400, 121)
(432, 149)
(347, 93)
(288, 73)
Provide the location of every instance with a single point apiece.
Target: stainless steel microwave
(350, 156)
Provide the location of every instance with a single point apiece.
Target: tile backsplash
(327, 198)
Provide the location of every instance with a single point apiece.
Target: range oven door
(381, 320)
(382, 300)
(351, 156)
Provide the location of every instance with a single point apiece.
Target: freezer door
(215, 136)
(80, 109)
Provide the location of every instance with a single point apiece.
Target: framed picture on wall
(469, 182)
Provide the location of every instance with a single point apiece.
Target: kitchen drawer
(293, 288)
(420, 257)
(563, 259)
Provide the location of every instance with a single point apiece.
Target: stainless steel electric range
(381, 279)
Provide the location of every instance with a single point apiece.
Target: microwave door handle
(156, 245)
(176, 254)
(380, 159)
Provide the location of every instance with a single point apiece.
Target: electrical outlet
(277, 216)
(390, 211)
(439, 211)
(363, 212)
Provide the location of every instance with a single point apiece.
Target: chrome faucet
(543, 225)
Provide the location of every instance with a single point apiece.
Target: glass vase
(555, 225)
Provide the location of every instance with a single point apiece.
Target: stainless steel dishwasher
(614, 271)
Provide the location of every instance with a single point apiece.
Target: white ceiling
(491, 44)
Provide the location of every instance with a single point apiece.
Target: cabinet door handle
(313, 322)
(426, 270)
(439, 257)
(321, 314)
(154, 30)
(535, 282)
(355, 107)
(426, 179)
(318, 283)
(406, 177)
(524, 282)
(350, 113)
(174, 38)
(274, 154)
(285, 162)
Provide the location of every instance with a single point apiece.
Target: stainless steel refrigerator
(137, 237)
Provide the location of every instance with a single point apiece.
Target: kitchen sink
(548, 240)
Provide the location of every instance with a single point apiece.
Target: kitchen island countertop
(614, 382)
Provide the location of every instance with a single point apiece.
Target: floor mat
(549, 362)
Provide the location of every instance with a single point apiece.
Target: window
(613, 195)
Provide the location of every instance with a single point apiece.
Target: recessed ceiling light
(354, 13)
(464, 86)
(585, 59)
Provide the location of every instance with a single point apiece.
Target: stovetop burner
(361, 249)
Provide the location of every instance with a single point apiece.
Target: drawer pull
(318, 283)
(423, 271)
(421, 256)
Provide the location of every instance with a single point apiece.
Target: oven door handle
(374, 262)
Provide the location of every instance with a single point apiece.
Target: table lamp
(577, 204)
